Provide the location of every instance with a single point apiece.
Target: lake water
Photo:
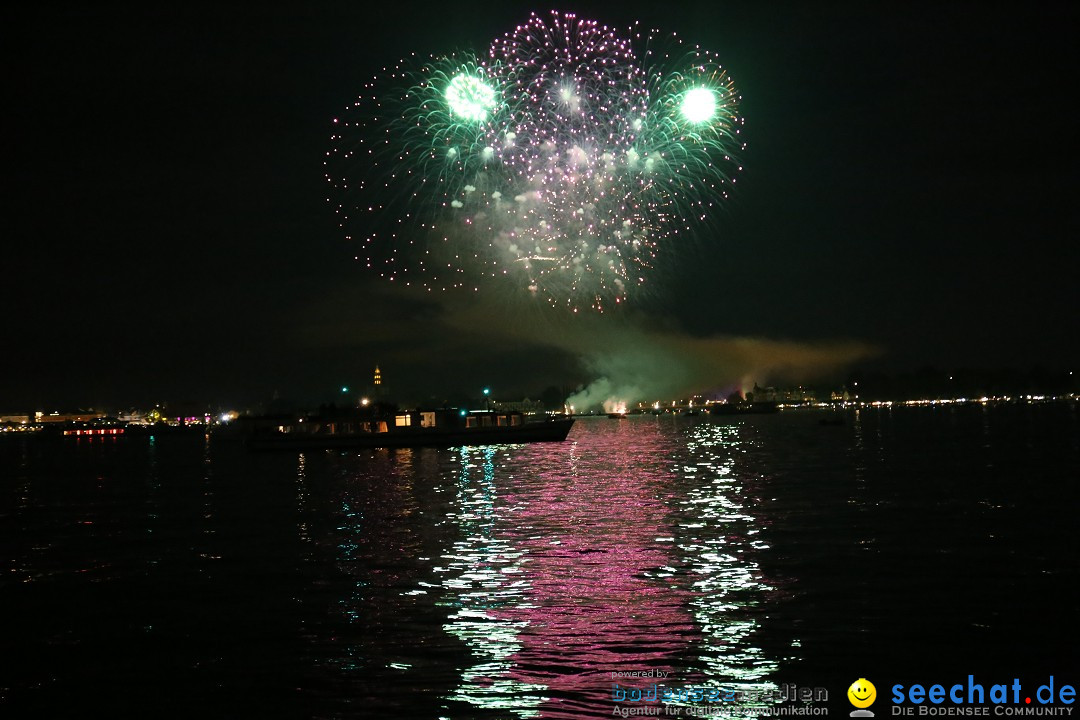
(187, 576)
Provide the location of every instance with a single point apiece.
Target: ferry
(414, 428)
(745, 408)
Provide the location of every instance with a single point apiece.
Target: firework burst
(566, 159)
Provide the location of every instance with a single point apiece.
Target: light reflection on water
(718, 540)
(512, 581)
(562, 564)
(590, 519)
(481, 577)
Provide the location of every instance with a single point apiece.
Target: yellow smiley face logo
(862, 693)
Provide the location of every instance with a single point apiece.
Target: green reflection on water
(717, 541)
(480, 576)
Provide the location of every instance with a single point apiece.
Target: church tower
(378, 391)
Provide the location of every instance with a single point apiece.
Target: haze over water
(187, 575)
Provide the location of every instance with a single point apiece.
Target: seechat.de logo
(862, 694)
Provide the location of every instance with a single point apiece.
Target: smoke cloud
(631, 359)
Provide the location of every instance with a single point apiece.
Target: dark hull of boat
(758, 408)
(553, 431)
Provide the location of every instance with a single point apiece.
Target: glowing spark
(699, 105)
(470, 98)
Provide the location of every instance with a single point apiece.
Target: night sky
(909, 191)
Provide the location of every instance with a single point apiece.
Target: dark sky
(909, 185)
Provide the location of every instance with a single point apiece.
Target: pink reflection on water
(592, 522)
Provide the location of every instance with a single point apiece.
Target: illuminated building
(56, 417)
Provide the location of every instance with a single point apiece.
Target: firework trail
(566, 159)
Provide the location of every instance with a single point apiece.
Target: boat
(415, 428)
(745, 408)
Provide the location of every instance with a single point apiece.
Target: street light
(487, 399)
